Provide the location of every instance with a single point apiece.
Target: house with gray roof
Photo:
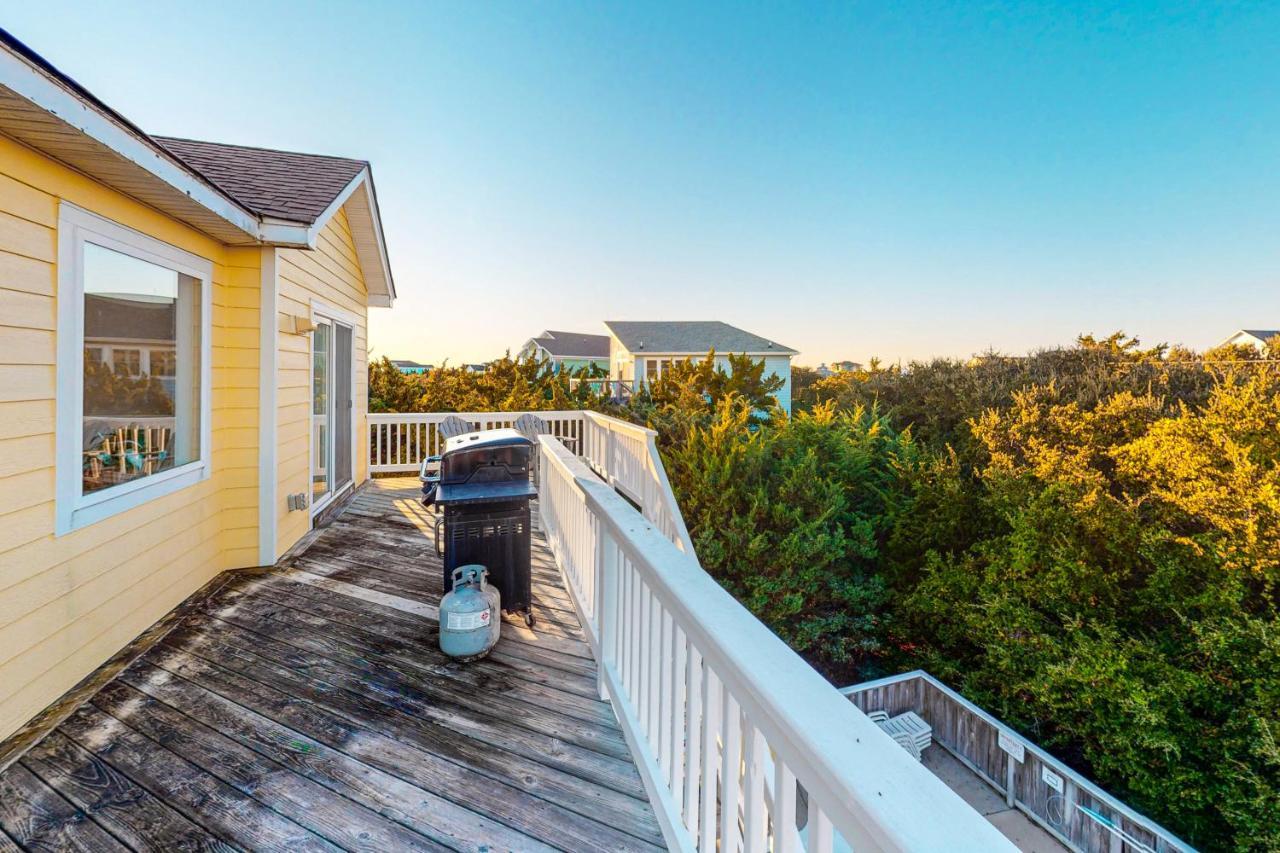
(568, 350)
(1256, 338)
(639, 351)
(405, 365)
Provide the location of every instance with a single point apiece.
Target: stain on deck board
(309, 707)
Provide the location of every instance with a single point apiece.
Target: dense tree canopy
(1085, 541)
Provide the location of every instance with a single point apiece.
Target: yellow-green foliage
(113, 392)
(1086, 541)
(1116, 596)
(505, 385)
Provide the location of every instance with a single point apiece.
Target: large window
(133, 373)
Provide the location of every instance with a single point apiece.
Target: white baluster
(784, 807)
(819, 828)
(666, 696)
(711, 701)
(754, 811)
(730, 774)
(654, 670)
(676, 743)
(693, 739)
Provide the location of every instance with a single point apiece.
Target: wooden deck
(308, 707)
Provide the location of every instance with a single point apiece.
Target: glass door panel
(321, 412)
(342, 354)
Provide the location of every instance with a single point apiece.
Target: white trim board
(371, 247)
(268, 413)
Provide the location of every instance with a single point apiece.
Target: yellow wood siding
(330, 274)
(68, 603)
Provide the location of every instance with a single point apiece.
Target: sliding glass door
(331, 410)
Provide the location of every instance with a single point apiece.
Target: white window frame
(74, 509)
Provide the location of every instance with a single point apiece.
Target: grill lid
(489, 438)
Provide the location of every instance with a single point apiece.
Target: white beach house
(639, 351)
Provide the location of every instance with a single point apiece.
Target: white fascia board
(339, 201)
(362, 183)
(53, 97)
(292, 235)
(388, 298)
(1254, 340)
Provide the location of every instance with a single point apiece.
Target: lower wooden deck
(308, 707)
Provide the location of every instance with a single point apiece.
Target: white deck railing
(627, 457)
(623, 454)
(399, 442)
(724, 719)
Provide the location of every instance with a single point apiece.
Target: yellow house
(182, 367)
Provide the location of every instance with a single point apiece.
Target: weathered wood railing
(723, 719)
(1041, 786)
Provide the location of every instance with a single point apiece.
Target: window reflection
(141, 368)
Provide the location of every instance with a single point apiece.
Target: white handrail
(722, 717)
(626, 455)
(398, 442)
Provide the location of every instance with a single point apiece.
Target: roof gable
(691, 337)
(571, 344)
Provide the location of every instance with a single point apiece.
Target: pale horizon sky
(850, 179)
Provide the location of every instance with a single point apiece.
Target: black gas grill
(484, 489)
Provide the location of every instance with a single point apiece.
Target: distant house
(640, 351)
(845, 366)
(1256, 338)
(406, 366)
(569, 350)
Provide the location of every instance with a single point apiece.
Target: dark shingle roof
(691, 336)
(574, 344)
(121, 317)
(283, 184)
(1262, 334)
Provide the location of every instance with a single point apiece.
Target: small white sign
(1053, 780)
(1012, 745)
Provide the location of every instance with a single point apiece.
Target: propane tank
(469, 615)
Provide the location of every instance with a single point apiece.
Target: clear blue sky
(850, 179)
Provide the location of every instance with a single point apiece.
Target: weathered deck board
(308, 707)
(39, 818)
